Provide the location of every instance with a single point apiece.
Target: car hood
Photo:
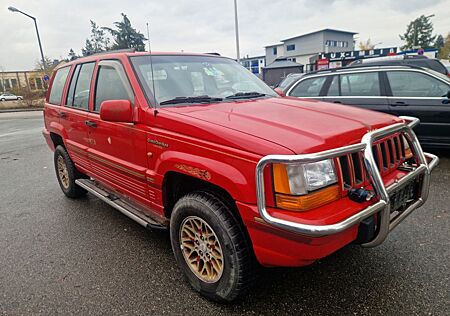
(300, 125)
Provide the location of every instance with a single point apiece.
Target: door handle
(62, 114)
(339, 102)
(400, 103)
(90, 123)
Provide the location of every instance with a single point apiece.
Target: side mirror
(116, 111)
(448, 94)
(279, 92)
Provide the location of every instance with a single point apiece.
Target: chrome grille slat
(388, 154)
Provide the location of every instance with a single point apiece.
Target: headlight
(305, 178)
(296, 186)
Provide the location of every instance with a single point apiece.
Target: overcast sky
(204, 25)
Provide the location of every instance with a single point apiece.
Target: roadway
(61, 256)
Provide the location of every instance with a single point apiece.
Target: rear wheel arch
(57, 139)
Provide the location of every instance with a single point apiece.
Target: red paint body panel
(226, 140)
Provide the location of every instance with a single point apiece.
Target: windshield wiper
(246, 95)
(197, 99)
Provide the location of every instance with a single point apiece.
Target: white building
(301, 48)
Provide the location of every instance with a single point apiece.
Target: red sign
(322, 63)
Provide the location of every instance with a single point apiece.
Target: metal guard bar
(382, 206)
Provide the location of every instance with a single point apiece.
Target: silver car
(10, 97)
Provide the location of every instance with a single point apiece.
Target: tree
(97, 41)
(126, 36)
(88, 48)
(50, 64)
(72, 55)
(367, 45)
(439, 42)
(444, 53)
(419, 33)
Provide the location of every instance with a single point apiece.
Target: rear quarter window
(58, 84)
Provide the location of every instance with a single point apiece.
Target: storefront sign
(359, 54)
(322, 64)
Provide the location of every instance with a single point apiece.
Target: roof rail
(363, 66)
(115, 51)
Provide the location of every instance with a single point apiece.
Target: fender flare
(57, 128)
(210, 170)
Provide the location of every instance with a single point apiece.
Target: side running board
(122, 206)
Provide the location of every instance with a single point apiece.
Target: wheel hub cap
(62, 172)
(201, 249)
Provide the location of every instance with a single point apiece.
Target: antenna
(153, 75)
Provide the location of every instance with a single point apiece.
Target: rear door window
(58, 86)
(309, 87)
(360, 84)
(415, 84)
(80, 84)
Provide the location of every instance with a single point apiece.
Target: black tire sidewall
(221, 289)
(73, 190)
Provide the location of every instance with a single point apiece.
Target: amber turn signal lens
(408, 153)
(280, 179)
(309, 201)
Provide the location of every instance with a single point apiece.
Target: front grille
(389, 154)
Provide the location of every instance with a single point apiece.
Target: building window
(39, 83)
(331, 43)
(290, 47)
(7, 84)
(14, 83)
(275, 51)
(32, 84)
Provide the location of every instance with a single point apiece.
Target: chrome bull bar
(382, 206)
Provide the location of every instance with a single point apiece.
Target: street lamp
(12, 9)
(237, 30)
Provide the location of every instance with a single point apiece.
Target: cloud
(204, 25)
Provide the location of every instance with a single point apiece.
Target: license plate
(402, 197)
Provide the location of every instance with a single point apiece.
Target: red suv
(198, 145)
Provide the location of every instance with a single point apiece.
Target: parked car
(287, 82)
(398, 90)
(10, 97)
(198, 145)
(404, 60)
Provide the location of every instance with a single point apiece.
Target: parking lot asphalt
(62, 256)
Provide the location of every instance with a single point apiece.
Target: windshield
(288, 81)
(194, 79)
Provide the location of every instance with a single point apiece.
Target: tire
(66, 173)
(230, 279)
(3, 100)
(18, 99)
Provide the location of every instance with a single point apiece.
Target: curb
(20, 110)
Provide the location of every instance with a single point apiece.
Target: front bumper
(425, 163)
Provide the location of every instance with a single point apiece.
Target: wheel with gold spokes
(211, 246)
(201, 249)
(66, 173)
